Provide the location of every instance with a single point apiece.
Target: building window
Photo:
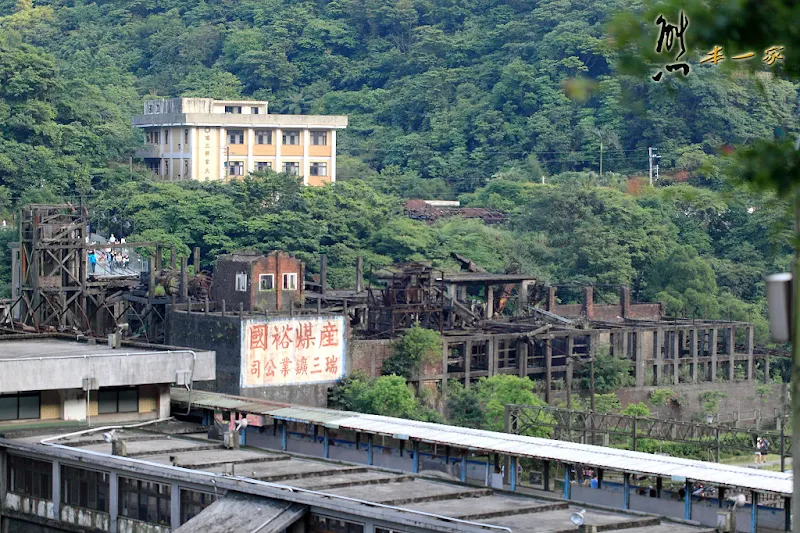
(266, 282)
(318, 169)
(290, 282)
(326, 524)
(19, 406)
(147, 501)
(153, 165)
(153, 137)
(241, 282)
(185, 169)
(235, 136)
(233, 110)
(30, 477)
(235, 168)
(263, 165)
(263, 136)
(186, 137)
(166, 167)
(166, 136)
(193, 503)
(84, 488)
(319, 138)
(291, 137)
(118, 401)
(292, 168)
(254, 111)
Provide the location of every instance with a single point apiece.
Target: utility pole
(601, 158)
(650, 159)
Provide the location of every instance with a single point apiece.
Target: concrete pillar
(326, 444)
(693, 352)
(588, 302)
(445, 355)
(113, 500)
(370, 456)
(251, 135)
(750, 358)
(641, 359)
(658, 344)
(687, 501)
(676, 367)
(522, 300)
(712, 345)
(522, 357)
(730, 344)
(489, 301)
(570, 348)
(492, 354)
(359, 273)
(467, 361)
(323, 274)
(626, 491)
(548, 369)
(305, 136)
(766, 369)
(56, 490)
(754, 513)
(551, 299)
(625, 300)
(415, 467)
(333, 156)
(175, 506)
(513, 472)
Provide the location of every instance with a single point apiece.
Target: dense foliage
(500, 104)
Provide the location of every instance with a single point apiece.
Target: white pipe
(46, 442)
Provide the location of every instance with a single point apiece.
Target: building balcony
(148, 152)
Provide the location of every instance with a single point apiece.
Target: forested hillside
(479, 100)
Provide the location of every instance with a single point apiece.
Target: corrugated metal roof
(506, 443)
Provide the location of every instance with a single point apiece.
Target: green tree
(498, 391)
(415, 347)
(636, 409)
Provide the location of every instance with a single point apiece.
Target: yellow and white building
(211, 140)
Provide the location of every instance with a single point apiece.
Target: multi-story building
(206, 140)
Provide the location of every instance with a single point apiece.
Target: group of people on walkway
(109, 258)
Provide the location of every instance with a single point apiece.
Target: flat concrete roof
(410, 493)
(50, 347)
(49, 363)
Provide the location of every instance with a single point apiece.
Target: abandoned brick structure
(272, 282)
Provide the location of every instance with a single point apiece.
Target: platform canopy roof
(479, 440)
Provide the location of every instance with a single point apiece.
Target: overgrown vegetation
(417, 346)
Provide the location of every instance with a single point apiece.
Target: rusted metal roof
(674, 468)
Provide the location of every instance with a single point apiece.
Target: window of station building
(318, 169)
(118, 400)
(166, 167)
(19, 406)
(185, 169)
(291, 137)
(326, 524)
(147, 501)
(319, 138)
(153, 137)
(266, 282)
(186, 137)
(154, 165)
(241, 282)
(30, 477)
(235, 136)
(84, 488)
(292, 168)
(235, 168)
(263, 165)
(166, 136)
(233, 110)
(254, 111)
(263, 136)
(290, 282)
(193, 503)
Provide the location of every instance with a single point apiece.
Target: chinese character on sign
(772, 54)
(332, 365)
(286, 363)
(747, 55)
(255, 368)
(269, 369)
(316, 366)
(281, 338)
(258, 337)
(305, 336)
(666, 39)
(301, 366)
(329, 335)
(715, 56)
